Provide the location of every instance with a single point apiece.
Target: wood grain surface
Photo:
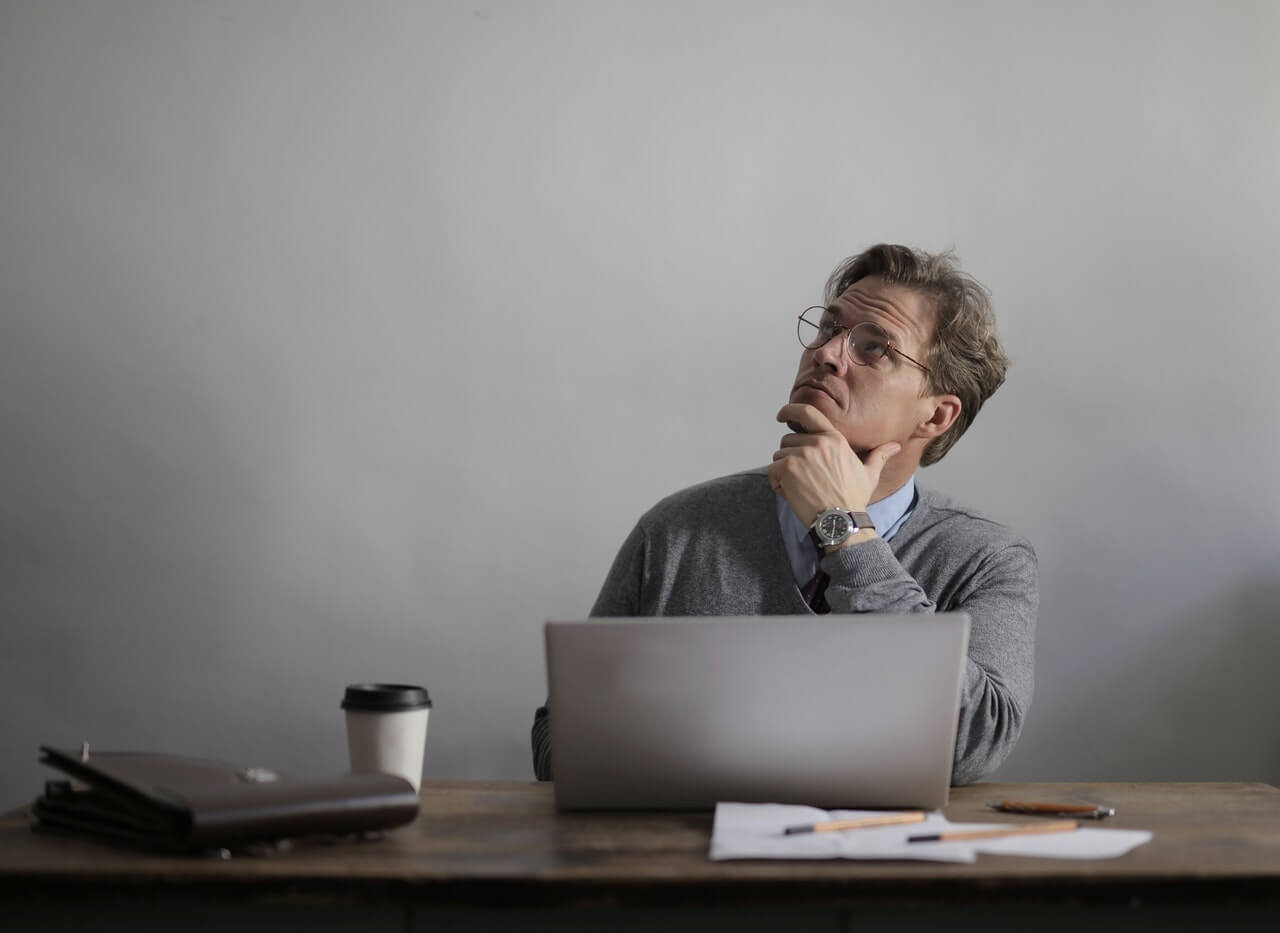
(478, 842)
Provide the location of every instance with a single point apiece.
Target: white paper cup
(387, 729)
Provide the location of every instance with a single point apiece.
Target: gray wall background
(347, 341)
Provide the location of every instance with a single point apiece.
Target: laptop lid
(846, 712)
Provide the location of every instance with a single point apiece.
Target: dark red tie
(815, 592)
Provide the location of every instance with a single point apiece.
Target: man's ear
(945, 411)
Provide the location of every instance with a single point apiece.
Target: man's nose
(833, 353)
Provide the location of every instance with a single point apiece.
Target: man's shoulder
(735, 492)
(937, 515)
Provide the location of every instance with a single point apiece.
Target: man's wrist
(858, 537)
(836, 525)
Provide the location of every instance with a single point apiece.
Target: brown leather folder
(173, 803)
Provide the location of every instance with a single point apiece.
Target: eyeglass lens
(866, 343)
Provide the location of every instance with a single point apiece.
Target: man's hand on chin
(816, 469)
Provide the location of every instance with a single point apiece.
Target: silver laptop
(846, 712)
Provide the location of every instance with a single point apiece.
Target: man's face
(871, 405)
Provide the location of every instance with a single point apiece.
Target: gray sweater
(716, 549)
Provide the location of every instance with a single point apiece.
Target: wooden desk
(489, 855)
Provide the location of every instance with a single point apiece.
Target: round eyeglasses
(865, 343)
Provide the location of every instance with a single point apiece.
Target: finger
(878, 457)
(798, 449)
(775, 476)
(799, 440)
(785, 452)
(807, 417)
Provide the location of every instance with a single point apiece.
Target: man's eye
(827, 327)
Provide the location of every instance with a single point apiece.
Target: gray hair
(964, 357)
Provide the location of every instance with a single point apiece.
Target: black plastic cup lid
(385, 698)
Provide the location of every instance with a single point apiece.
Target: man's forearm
(1001, 599)
(867, 577)
(541, 740)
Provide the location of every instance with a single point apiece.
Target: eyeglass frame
(846, 333)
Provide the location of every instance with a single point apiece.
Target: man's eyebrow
(892, 332)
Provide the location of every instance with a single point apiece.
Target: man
(894, 369)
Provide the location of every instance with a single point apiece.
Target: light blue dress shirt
(888, 515)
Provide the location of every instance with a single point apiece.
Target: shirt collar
(890, 512)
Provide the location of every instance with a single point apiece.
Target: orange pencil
(860, 822)
(1027, 829)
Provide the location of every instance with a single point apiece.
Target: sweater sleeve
(541, 738)
(1000, 593)
(620, 596)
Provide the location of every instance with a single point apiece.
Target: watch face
(834, 526)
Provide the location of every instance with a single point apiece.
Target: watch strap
(862, 521)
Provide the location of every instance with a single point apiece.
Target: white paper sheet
(755, 830)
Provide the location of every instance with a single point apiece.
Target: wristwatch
(833, 527)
